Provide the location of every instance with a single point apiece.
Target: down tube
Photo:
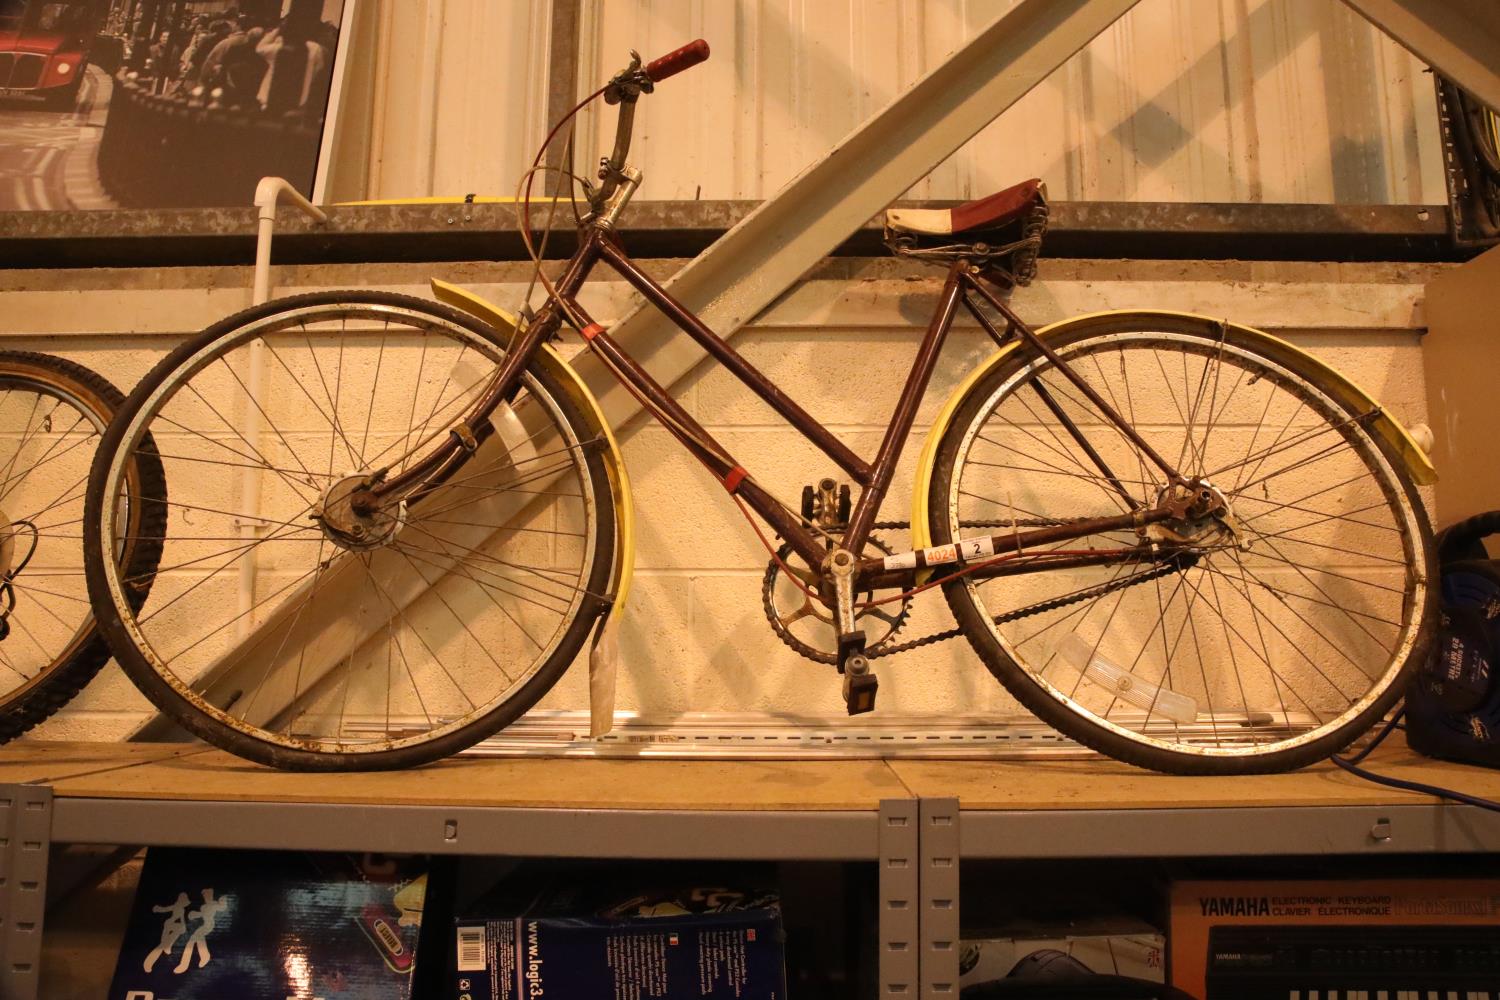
(906, 410)
(701, 444)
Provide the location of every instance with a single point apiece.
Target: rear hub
(1202, 518)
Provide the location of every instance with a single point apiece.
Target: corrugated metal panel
(467, 117)
(1183, 100)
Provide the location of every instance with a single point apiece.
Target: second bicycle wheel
(52, 413)
(1259, 640)
(290, 628)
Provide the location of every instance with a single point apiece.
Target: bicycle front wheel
(1261, 639)
(294, 628)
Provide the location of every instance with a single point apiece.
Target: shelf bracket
(25, 837)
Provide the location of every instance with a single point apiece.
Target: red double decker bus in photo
(44, 48)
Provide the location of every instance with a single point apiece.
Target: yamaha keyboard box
(1389, 939)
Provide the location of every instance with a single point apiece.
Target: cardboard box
(582, 941)
(1116, 946)
(1199, 907)
(248, 925)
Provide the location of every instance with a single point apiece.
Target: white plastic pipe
(268, 195)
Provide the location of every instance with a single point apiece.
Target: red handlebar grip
(673, 63)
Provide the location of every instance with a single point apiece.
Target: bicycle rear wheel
(291, 629)
(1276, 634)
(52, 413)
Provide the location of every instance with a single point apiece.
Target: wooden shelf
(189, 772)
(1102, 784)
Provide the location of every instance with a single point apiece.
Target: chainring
(817, 619)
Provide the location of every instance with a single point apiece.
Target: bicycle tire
(215, 723)
(37, 699)
(1190, 752)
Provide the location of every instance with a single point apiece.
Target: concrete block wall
(695, 638)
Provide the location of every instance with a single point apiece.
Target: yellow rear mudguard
(1418, 465)
(619, 481)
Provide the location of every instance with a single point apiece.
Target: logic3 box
(581, 941)
(252, 925)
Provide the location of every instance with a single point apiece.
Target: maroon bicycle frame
(599, 243)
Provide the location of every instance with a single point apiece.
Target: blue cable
(1352, 766)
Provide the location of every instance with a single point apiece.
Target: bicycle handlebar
(624, 89)
(675, 62)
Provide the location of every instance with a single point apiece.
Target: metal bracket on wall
(25, 836)
(899, 919)
(939, 913)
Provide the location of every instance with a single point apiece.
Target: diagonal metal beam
(1458, 38)
(764, 255)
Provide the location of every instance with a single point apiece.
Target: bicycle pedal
(850, 644)
(827, 505)
(860, 685)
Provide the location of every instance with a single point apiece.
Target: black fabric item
(1453, 704)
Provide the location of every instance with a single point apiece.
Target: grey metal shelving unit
(917, 820)
(101, 807)
(1006, 815)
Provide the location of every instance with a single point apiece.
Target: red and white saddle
(993, 212)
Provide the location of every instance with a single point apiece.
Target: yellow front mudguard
(619, 481)
(1418, 465)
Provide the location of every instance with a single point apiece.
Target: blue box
(576, 943)
(252, 925)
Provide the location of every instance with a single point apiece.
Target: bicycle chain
(1010, 616)
(1030, 609)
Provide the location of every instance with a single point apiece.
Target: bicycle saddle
(992, 212)
(1001, 233)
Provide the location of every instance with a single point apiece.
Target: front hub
(351, 520)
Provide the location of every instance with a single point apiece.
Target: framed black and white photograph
(163, 103)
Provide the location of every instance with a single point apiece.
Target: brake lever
(630, 83)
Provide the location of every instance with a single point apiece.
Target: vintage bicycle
(1178, 540)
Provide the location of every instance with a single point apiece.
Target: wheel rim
(1249, 651)
(452, 608)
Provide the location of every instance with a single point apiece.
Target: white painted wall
(1183, 100)
(695, 638)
